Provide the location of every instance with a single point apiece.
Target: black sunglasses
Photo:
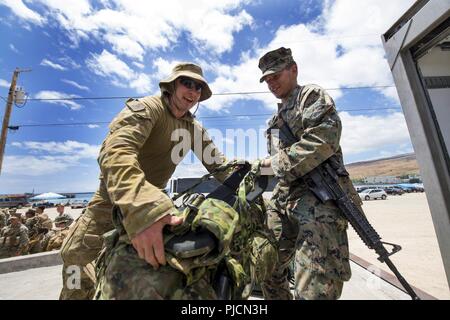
(191, 84)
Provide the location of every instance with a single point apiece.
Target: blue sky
(122, 48)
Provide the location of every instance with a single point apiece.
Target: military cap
(190, 70)
(275, 61)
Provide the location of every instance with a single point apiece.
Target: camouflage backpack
(242, 247)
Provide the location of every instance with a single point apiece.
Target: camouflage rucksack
(218, 239)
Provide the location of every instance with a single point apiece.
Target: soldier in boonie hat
(188, 70)
(141, 143)
(275, 61)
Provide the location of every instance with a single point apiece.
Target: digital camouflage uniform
(13, 240)
(312, 233)
(135, 164)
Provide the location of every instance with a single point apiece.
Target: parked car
(79, 204)
(45, 204)
(370, 194)
(361, 189)
(394, 191)
(406, 188)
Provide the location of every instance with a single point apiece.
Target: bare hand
(266, 167)
(149, 243)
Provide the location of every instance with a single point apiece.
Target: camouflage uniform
(30, 223)
(39, 235)
(135, 163)
(65, 217)
(244, 250)
(56, 238)
(13, 240)
(312, 233)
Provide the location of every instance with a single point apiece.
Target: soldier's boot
(81, 247)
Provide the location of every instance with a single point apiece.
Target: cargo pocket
(324, 249)
(73, 240)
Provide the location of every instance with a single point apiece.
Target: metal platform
(38, 277)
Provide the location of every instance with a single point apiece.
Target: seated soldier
(39, 239)
(14, 239)
(30, 219)
(57, 235)
(60, 210)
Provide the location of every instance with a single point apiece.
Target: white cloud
(22, 11)
(139, 65)
(118, 72)
(47, 94)
(4, 83)
(75, 84)
(134, 26)
(49, 157)
(48, 63)
(122, 44)
(33, 166)
(340, 49)
(142, 84)
(13, 48)
(69, 147)
(67, 61)
(93, 126)
(107, 64)
(362, 133)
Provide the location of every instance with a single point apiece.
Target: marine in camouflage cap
(275, 61)
(311, 233)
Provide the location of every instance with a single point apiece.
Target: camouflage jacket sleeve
(210, 156)
(316, 124)
(140, 202)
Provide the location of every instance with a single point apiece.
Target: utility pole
(9, 104)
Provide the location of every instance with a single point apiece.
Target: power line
(221, 118)
(214, 94)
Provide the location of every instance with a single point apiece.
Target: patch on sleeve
(135, 105)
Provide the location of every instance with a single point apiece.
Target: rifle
(323, 182)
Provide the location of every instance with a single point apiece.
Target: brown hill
(394, 166)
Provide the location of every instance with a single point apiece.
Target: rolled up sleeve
(140, 202)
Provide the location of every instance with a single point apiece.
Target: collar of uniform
(187, 117)
(291, 101)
